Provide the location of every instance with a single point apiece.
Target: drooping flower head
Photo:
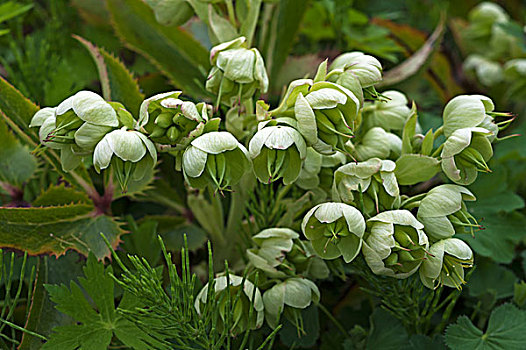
(395, 244)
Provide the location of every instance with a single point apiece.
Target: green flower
(130, 153)
(280, 254)
(371, 184)
(237, 72)
(75, 126)
(170, 120)
(443, 212)
(215, 159)
(446, 263)
(390, 114)
(277, 152)
(334, 229)
(488, 72)
(317, 169)
(469, 111)
(249, 298)
(395, 244)
(367, 69)
(515, 75)
(289, 298)
(465, 153)
(375, 143)
(171, 12)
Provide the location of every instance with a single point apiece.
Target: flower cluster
(335, 136)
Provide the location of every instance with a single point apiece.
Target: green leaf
(285, 23)
(118, 83)
(311, 325)
(489, 277)
(94, 327)
(414, 168)
(17, 164)
(386, 331)
(519, 294)
(506, 330)
(59, 195)
(409, 131)
(497, 241)
(12, 9)
(177, 54)
(17, 108)
(56, 229)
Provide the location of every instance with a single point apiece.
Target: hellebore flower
(130, 153)
(367, 69)
(395, 244)
(171, 12)
(170, 120)
(75, 126)
(446, 263)
(389, 115)
(469, 111)
(215, 159)
(277, 152)
(237, 72)
(488, 72)
(466, 152)
(375, 143)
(315, 164)
(249, 298)
(326, 113)
(289, 298)
(443, 212)
(371, 184)
(334, 229)
(280, 254)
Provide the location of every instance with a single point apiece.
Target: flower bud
(170, 120)
(367, 69)
(130, 153)
(289, 298)
(215, 159)
(371, 184)
(465, 153)
(375, 143)
(242, 318)
(334, 229)
(443, 212)
(277, 152)
(390, 114)
(395, 244)
(237, 72)
(446, 263)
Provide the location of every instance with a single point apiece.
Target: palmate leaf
(95, 327)
(175, 52)
(58, 225)
(506, 330)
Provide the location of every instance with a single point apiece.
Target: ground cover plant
(191, 174)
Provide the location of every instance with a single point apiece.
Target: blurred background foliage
(39, 56)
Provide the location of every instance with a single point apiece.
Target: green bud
(158, 132)
(172, 133)
(164, 120)
(367, 69)
(390, 113)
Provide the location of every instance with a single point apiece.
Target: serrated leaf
(414, 168)
(519, 294)
(56, 229)
(94, 327)
(17, 164)
(118, 83)
(177, 54)
(59, 195)
(489, 277)
(506, 330)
